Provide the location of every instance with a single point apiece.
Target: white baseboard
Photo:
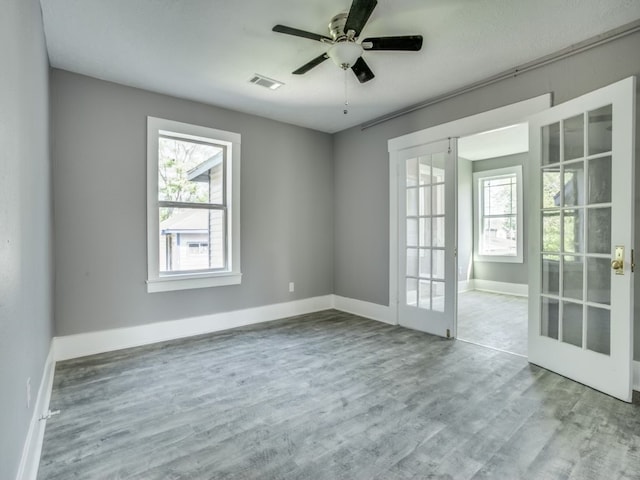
(381, 313)
(30, 461)
(636, 375)
(83, 344)
(506, 288)
(465, 285)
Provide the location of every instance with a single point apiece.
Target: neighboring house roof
(193, 221)
(200, 173)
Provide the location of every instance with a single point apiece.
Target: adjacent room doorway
(580, 231)
(492, 264)
(424, 243)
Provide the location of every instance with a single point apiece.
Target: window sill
(497, 259)
(187, 282)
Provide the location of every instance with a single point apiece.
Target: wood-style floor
(330, 396)
(494, 320)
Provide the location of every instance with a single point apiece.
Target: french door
(581, 253)
(426, 240)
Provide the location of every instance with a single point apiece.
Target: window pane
(573, 231)
(551, 231)
(500, 195)
(412, 202)
(600, 130)
(499, 236)
(191, 239)
(599, 230)
(424, 294)
(425, 201)
(425, 232)
(551, 143)
(438, 232)
(599, 280)
(600, 180)
(425, 262)
(599, 330)
(412, 292)
(574, 184)
(437, 268)
(549, 317)
(573, 129)
(412, 177)
(189, 172)
(425, 170)
(412, 262)
(438, 200)
(551, 187)
(551, 274)
(412, 232)
(572, 323)
(572, 276)
(438, 296)
(437, 173)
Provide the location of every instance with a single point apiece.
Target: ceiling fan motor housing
(336, 27)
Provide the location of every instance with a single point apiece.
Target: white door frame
(496, 118)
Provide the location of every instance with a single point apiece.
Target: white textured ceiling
(206, 50)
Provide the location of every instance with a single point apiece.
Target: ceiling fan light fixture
(345, 54)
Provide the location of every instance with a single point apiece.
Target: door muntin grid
(425, 232)
(576, 230)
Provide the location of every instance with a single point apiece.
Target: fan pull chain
(346, 98)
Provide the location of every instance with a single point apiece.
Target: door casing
(496, 118)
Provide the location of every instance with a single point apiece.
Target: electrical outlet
(28, 392)
(292, 286)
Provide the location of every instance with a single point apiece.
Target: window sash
(511, 185)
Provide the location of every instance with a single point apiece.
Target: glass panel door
(427, 263)
(580, 308)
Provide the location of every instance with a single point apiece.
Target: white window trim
(231, 276)
(477, 195)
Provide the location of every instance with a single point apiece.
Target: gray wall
(500, 271)
(465, 219)
(99, 181)
(361, 169)
(25, 222)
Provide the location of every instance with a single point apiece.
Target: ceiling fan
(345, 51)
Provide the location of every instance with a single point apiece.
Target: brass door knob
(617, 264)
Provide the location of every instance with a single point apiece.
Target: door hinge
(633, 261)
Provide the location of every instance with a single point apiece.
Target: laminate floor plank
(494, 320)
(329, 396)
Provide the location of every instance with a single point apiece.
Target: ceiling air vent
(266, 82)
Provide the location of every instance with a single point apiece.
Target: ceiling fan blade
(362, 71)
(409, 43)
(358, 15)
(313, 63)
(300, 33)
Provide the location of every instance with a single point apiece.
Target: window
(498, 215)
(193, 199)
